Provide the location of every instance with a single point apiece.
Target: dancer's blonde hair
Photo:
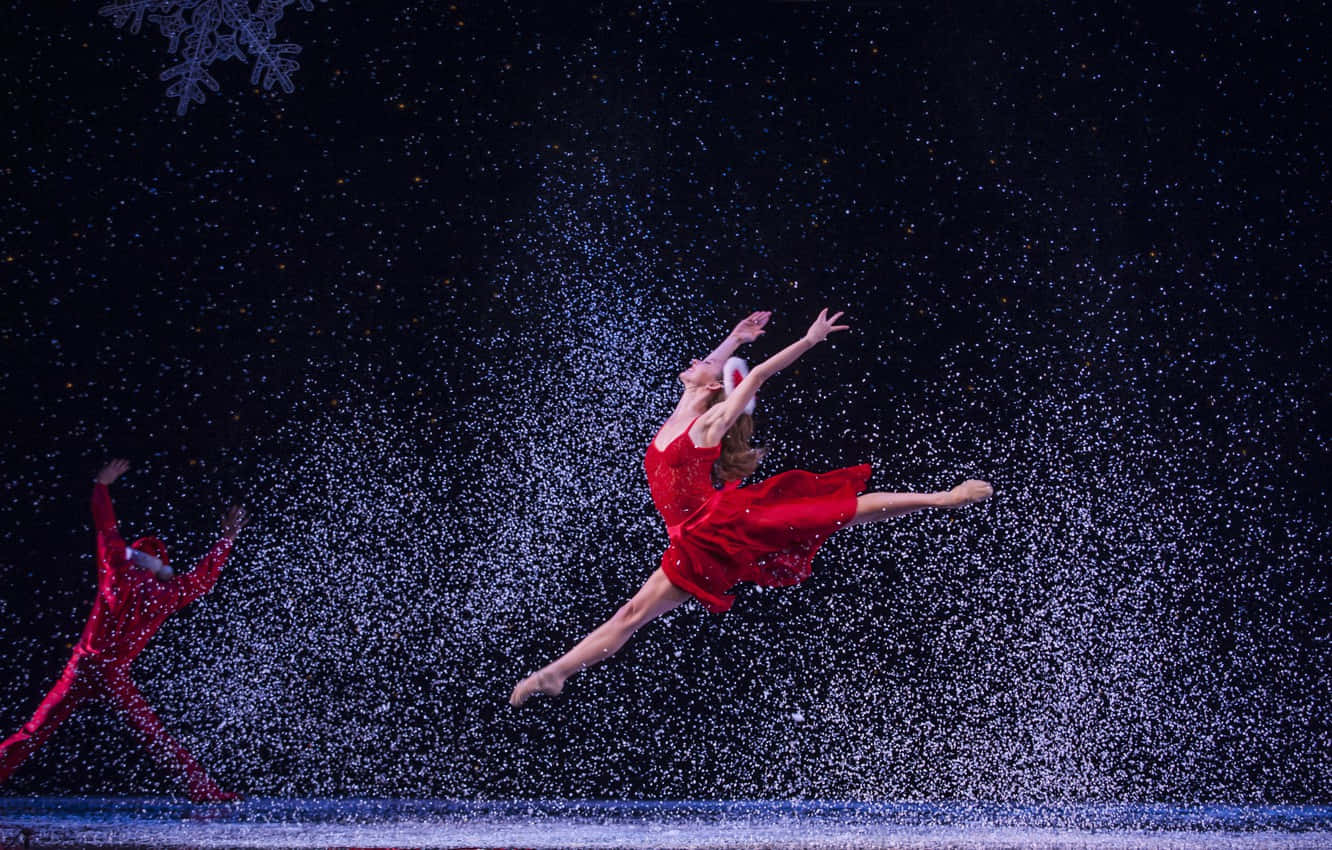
(738, 459)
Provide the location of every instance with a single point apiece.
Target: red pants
(88, 678)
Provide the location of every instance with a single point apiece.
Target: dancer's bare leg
(654, 598)
(873, 507)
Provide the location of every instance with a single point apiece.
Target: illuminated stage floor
(141, 822)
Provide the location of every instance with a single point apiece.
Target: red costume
(766, 533)
(131, 605)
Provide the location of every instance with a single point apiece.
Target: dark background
(423, 314)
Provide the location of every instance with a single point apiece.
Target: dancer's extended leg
(59, 703)
(873, 507)
(656, 597)
(169, 753)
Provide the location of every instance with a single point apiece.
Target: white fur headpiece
(733, 373)
(149, 562)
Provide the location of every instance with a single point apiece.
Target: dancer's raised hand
(751, 327)
(824, 325)
(234, 521)
(112, 471)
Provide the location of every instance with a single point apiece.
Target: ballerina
(767, 533)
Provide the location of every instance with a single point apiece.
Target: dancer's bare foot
(540, 682)
(967, 493)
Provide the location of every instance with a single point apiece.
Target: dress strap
(653, 444)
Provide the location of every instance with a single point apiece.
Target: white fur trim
(143, 559)
(733, 373)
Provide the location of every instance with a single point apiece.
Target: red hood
(153, 547)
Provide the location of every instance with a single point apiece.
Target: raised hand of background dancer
(234, 521)
(824, 325)
(751, 327)
(112, 471)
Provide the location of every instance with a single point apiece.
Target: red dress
(766, 533)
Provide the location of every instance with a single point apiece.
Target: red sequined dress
(766, 533)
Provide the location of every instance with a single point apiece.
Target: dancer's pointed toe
(537, 683)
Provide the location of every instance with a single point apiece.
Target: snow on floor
(285, 823)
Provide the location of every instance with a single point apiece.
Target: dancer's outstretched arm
(201, 579)
(104, 516)
(714, 424)
(654, 598)
(110, 545)
(749, 329)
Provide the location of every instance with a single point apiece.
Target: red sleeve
(104, 516)
(110, 545)
(201, 579)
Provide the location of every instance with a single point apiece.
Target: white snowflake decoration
(204, 31)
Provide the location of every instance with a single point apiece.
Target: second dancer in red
(136, 592)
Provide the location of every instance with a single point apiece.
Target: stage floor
(144, 822)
